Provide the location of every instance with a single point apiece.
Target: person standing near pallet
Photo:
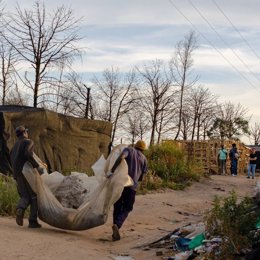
(233, 155)
(222, 158)
(252, 164)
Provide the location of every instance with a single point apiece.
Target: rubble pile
(71, 192)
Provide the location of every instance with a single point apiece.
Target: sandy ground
(154, 216)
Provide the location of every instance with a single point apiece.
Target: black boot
(19, 216)
(34, 224)
(116, 234)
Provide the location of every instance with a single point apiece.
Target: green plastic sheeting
(257, 225)
(196, 241)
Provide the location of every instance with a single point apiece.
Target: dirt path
(154, 216)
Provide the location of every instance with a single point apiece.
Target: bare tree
(2, 7)
(75, 96)
(181, 65)
(186, 120)
(254, 132)
(136, 124)
(15, 97)
(156, 95)
(113, 94)
(7, 67)
(166, 116)
(43, 40)
(201, 105)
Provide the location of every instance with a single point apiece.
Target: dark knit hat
(20, 130)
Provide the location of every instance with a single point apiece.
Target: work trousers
(27, 197)
(234, 167)
(123, 206)
(222, 166)
(251, 169)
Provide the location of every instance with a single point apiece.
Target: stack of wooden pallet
(206, 152)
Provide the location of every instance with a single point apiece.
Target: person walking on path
(22, 152)
(233, 155)
(137, 167)
(252, 164)
(222, 158)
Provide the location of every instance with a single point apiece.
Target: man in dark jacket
(22, 152)
(137, 167)
(233, 155)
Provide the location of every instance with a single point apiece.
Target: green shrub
(8, 196)
(150, 182)
(168, 162)
(68, 171)
(234, 223)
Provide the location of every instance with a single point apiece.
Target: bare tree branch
(43, 40)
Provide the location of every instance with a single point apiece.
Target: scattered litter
(193, 242)
(182, 255)
(122, 258)
(196, 241)
(186, 242)
(159, 253)
(182, 243)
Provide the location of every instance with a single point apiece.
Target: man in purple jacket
(137, 167)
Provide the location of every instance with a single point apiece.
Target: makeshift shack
(64, 143)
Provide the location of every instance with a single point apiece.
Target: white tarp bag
(101, 194)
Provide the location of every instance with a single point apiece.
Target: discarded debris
(188, 242)
(71, 192)
(197, 241)
(122, 258)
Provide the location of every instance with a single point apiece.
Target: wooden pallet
(206, 152)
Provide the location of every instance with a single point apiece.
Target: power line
(235, 28)
(195, 28)
(209, 24)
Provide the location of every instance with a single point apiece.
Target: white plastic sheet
(102, 194)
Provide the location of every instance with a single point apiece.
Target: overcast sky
(125, 33)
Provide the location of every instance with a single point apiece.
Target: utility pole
(88, 101)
